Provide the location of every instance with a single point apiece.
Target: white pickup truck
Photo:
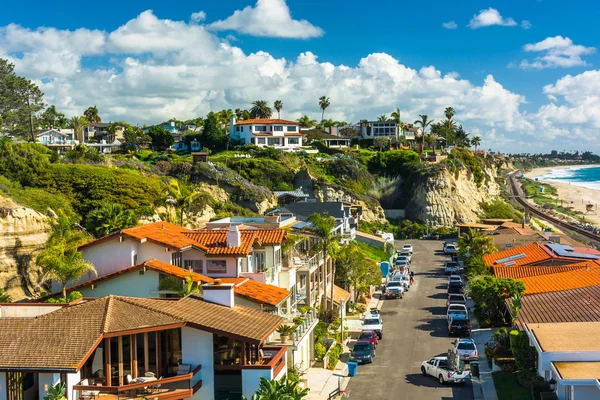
(438, 368)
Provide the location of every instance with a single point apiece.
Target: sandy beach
(576, 196)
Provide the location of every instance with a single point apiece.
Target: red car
(370, 336)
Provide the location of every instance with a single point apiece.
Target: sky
(523, 75)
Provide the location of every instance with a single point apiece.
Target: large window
(216, 266)
(260, 128)
(292, 128)
(293, 140)
(176, 259)
(278, 128)
(278, 257)
(195, 265)
(259, 261)
(260, 140)
(273, 141)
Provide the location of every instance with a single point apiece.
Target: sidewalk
(483, 387)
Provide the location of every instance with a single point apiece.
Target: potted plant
(285, 331)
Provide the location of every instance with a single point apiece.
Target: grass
(508, 388)
(372, 252)
(549, 197)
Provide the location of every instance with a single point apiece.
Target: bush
(361, 308)
(324, 149)
(506, 364)
(334, 355)
(361, 299)
(38, 199)
(320, 351)
(321, 332)
(298, 320)
(525, 355)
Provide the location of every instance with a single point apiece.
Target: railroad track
(515, 193)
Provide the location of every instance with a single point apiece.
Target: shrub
(324, 149)
(506, 364)
(320, 351)
(321, 332)
(525, 355)
(361, 299)
(334, 356)
(298, 320)
(361, 308)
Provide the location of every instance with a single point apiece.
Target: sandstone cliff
(372, 212)
(446, 198)
(23, 232)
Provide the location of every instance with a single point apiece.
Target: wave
(583, 176)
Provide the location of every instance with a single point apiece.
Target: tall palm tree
(239, 113)
(424, 122)
(306, 122)
(91, 114)
(174, 285)
(476, 141)
(110, 217)
(382, 118)
(78, 124)
(322, 226)
(323, 103)
(278, 106)
(260, 109)
(449, 113)
(397, 117)
(183, 195)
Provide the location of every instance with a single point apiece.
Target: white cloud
(151, 69)
(450, 25)
(557, 51)
(490, 17)
(198, 16)
(526, 24)
(270, 18)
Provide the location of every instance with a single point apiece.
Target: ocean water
(588, 177)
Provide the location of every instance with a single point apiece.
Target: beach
(574, 194)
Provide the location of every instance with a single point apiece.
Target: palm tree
(239, 113)
(283, 389)
(323, 103)
(260, 109)
(424, 122)
(396, 116)
(174, 285)
(306, 122)
(382, 118)
(91, 114)
(449, 113)
(183, 195)
(278, 106)
(322, 226)
(110, 217)
(78, 124)
(476, 141)
(515, 306)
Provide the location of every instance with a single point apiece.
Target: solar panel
(510, 263)
(511, 258)
(562, 250)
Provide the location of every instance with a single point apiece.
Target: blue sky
(343, 33)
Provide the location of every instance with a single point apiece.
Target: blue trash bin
(352, 367)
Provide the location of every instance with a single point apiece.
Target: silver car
(465, 349)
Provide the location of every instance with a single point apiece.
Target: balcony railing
(273, 358)
(170, 388)
(59, 142)
(308, 263)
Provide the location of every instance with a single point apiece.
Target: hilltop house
(116, 347)
(266, 132)
(57, 139)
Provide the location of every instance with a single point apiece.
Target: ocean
(588, 177)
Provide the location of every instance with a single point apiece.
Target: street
(414, 331)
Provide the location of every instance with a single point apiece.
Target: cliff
(23, 232)
(372, 211)
(449, 198)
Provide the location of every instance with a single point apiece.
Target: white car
(455, 278)
(450, 249)
(374, 323)
(407, 247)
(402, 259)
(465, 349)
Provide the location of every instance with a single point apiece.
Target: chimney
(331, 130)
(234, 237)
(219, 293)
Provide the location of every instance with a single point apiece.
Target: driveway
(414, 331)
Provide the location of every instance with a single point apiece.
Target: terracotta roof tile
(266, 121)
(340, 294)
(161, 232)
(527, 271)
(534, 253)
(589, 276)
(257, 291)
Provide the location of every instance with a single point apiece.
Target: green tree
(489, 293)
(78, 124)
(424, 122)
(56, 391)
(516, 301)
(354, 269)
(110, 217)
(212, 137)
(475, 243)
(449, 113)
(322, 226)
(260, 109)
(179, 288)
(381, 143)
(283, 389)
(476, 142)
(91, 114)
(4, 297)
(278, 105)
(162, 139)
(396, 116)
(51, 118)
(20, 101)
(183, 195)
(323, 104)
(461, 137)
(134, 138)
(306, 122)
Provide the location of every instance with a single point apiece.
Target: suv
(407, 247)
(456, 309)
(452, 268)
(456, 298)
(455, 278)
(459, 325)
(450, 248)
(394, 289)
(363, 351)
(375, 324)
(402, 259)
(455, 287)
(465, 349)
(371, 336)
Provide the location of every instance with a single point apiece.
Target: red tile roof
(266, 121)
(526, 271)
(588, 276)
(534, 253)
(258, 291)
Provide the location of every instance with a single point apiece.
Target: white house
(117, 346)
(373, 129)
(266, 132)
(57, 139)
(568, 357)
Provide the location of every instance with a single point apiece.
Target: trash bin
(475, 368)
(352, 367)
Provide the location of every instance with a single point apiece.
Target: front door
(14, 386)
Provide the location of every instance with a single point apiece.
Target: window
(259, 261)
(135, 259)
(176, 259)
(277, 256)
(273, 141)
(261, 140)
(194, 265)
(260, 128)
(237, 128)
(216, 266)
(293, 141)
(292, 128)
(278, 128)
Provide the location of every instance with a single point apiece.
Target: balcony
(308, 264)
(59, 142)
(170, 388)
(309, 321)
(269, 357)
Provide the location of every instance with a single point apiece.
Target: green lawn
(508, 388)
(373, 253)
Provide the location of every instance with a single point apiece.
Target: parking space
(415, 330)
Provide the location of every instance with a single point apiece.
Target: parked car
(455, 287)
(438, 368)
(454, 313)
(455, 278)
(456, 298)
(408, 247)
(465, 349)
(452, 268)
(450, 248)
(402, 259)
(363, 351)
(455, 308)
(459, 325)
(393, 289)
(375, 324)
(402, 277)
(368, 335)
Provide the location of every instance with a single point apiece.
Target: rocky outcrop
(446, 199)
(23, 232)
(372, 212)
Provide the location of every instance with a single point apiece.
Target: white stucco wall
(586, 393)
(150, 250)
(72, 380)
(131, 284)
(197, 348)
(45, 378)
(251, 380)
(110, 255)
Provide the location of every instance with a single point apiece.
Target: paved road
(414, 331)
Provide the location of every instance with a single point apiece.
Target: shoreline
(572, 194)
